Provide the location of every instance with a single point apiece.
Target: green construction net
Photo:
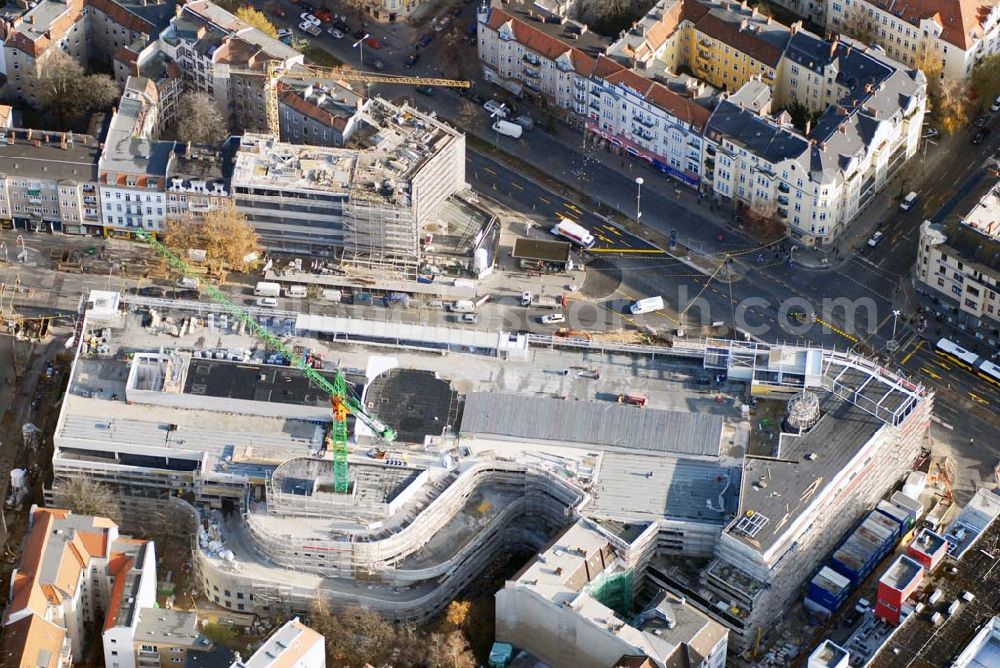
(614, 591)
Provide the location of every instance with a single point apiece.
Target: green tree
(256, 18)
(219, 633)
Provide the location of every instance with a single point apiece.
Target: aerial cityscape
(528, 333)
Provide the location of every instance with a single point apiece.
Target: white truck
(265, 289)
(463, 306)
(508, 129)
(541, 301)
(575, 233)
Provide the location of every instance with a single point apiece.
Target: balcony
(782, 213)
(710, 150)
(783, 188)
(580, 97)
(530, 72)
(704, 55)
(595, 105)
(710, 163)
(709, 175)
(531, 58)
(579, 84)
(782, 200)
(644, 121)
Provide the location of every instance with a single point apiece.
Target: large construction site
(502, 440)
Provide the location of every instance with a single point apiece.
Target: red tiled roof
(32, 642)
(745, 41)
(303, 106)
(960, 20)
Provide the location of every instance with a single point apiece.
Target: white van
(647, 305)
(295, 291)
(908, 201)
(189, 282)
(463, 306)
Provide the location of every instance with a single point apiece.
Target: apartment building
(315, 111)
(225, 57)
(103, 30)
(48, 181)
(76, 571)
(132, 170)
(294, 645)
(958, 263)
(198, 179)
(725, 134)
(366, 204)
(561, 608)
(963, 32)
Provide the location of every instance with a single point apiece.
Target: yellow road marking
(979, 399)
(912, 352)
(930, 373)
(516, 185)
(612, 229)
(545, 200)
(487, 169)
(833, 328)
(943, 365)
(570, 205)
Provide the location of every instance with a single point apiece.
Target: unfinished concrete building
(489, 460)
(366, 205)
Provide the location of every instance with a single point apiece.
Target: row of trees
(953, 101)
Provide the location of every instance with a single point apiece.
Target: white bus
(575, 233)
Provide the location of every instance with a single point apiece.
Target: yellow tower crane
(275, 70)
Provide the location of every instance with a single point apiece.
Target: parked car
(186, 294)
(553, 319)
(980, 135)
(875, 239)
(341, 25)
(358, 34)
(373, 43)
(278, 11)
(425, 90)
(495, 107)
(309, 18)
(376, 64)
(931, 133)
(324, 15)
(334, 33)
(150, 292)
(983, 121)
(267, 302)
(468, 318)
(996, 104)
(426, 39)
(411, 60)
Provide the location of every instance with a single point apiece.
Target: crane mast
(342, 400)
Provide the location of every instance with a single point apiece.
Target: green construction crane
(342, 400)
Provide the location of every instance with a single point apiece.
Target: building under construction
(495, 452)
(365, 204)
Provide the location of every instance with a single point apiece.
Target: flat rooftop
(635, 488)
(256, 382)
(775, 491)
(901, 573)
(829, 654)
(598, 423)
(416, 402)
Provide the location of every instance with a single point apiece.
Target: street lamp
(638, 197)
(892, 345)
(360, 46)
(497, 115)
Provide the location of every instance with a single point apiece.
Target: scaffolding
(614, 590)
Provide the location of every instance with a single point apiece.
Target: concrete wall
(557, 635)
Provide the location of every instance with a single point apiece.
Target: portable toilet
(501, 654)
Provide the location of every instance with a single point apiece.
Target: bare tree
(986, 79)
(858, 24)
(224, 234)
(200, 122)
(449, 651)
(85, 496)
(470, 116)
(68, 92)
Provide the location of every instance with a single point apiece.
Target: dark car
(426, 39)
(425, 90)
(411, 61)
(307, 6)
(980, 136)
(341, 25)
(150, 292)
(983, 121)
(358, 34)
(186, 294)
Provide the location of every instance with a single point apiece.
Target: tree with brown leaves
(224, 234)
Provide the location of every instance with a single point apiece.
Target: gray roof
(598, 423)
(758, 135)
(634, 488)
(76, 162)
(161, 626)
(841, 431)
(128, 154)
